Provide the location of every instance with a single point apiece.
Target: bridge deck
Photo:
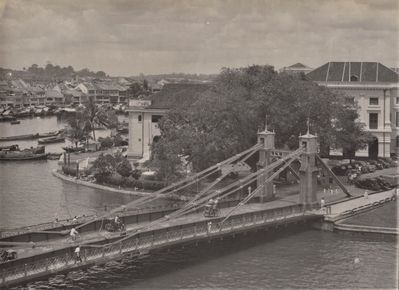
(289, 199)
(97, 236)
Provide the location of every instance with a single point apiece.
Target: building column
(308, 172)
(266, 138)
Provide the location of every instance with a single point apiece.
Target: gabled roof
(298, 65)
(172, 95)
(353, 72)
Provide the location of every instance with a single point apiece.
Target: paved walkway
(91, 237)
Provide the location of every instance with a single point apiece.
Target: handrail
(62, 259)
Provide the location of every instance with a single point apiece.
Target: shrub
(136, 173)
(117, 180)
(103, 167)
(106, 143)
(124, 168)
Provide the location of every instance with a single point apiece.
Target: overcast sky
(162, 36)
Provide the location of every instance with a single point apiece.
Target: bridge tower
(266, 138)
(308, 171)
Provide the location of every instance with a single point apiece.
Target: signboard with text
(139, 103)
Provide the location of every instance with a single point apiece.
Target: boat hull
(52, 140)
(41, 156)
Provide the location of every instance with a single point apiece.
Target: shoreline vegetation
(61, 175)
(109, 187)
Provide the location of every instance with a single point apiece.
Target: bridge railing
(62, 259)
(65, 224)
(42, 232)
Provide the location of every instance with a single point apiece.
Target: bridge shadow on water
(132, 270)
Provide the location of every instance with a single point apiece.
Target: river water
(297, 258)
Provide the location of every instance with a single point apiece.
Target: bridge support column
(266, 138)
(308, 172)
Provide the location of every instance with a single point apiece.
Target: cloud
(153, 36)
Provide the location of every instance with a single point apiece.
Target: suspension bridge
(248, 203)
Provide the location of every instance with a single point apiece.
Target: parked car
(385, 163)
(378, 165)
(364, 166)
(340, 170)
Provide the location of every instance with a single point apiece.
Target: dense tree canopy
(225, 120)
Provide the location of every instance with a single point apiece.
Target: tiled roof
(353, 71)
(172, 95)
(71, 92)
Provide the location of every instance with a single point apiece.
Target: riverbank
(99, 186)
(382, 219)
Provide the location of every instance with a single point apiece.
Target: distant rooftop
(298, 65)
(177, 94)
(353, 72)
(296, 68)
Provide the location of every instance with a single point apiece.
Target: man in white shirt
(77, 255)
(74, 234)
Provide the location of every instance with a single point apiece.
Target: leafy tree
(224, 120)
(166, 160)
(145, 85)
(124, 168)
(100, 74)
(135, 90)
(103, 167)
(350, 134)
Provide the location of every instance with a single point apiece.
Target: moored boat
(49, 134)
(18, 137)
(31, 136)
(26, 154)
(54, 139)
(15, 122)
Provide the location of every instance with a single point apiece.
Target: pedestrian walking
(209, 227)
(78, 258)
(74, 234)
(322, 203)
(366, 194)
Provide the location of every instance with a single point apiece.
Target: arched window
(354, 78)
(139, 118)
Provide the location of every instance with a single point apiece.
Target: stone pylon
(266, 138)
(308, 171)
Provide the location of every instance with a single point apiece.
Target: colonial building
(105, 92)
(373, 87)
(144, 115)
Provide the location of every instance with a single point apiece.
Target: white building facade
(143, 128)
(374, 89)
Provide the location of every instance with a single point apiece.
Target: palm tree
(77, 130)
(97, 116)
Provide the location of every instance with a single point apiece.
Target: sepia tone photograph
(199, 144)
